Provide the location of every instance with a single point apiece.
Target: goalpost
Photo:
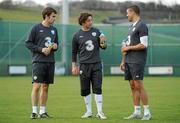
(65, 22)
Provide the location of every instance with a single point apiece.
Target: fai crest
(52, 32)
(94, 34)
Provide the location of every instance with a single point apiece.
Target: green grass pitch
(66, 105)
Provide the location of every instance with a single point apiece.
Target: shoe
(101, 116)
(34, 116)
(44, 115)
(147, 117)
(87, 115)
(133, 116)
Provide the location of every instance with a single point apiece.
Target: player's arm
(140, 46)
(122, 65)
(75, 68)
(30, 42)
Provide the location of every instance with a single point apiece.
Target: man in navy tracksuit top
(42, 42)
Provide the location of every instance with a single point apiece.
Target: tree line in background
(151, 10)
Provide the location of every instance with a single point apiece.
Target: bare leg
(35, 97)
(43, 98)
(135, 92)
(44, 94)
(144, 99)
(143, 94)
(35, 94)
(136, 101)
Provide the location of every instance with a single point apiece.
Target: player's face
(51, 18)
(88, 23)
(130, 14)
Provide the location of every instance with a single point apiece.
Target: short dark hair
(135, 8)
(83, 17)
(48, 11)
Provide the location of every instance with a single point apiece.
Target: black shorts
(91, 75)
(134, 71)
(43, 73)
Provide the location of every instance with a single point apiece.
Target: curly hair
(83, 17)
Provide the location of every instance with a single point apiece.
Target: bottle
(103, 44)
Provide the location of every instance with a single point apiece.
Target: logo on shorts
(35, 77)
(80, 72)
(137, 76)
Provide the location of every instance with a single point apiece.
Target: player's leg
(135, 94)
(136, 97)
(48, 79)
(137, 87)
(96, 79)
(143, 94)
(35, 94)
(34, 99)
(138, 76)
(43, 98)
(131, 83)
(144, 99)
(36, 79)
(85, 89)
(136, 101)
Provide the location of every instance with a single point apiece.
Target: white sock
(34, 109)
(42, 109)
(137, 109)
(146, 109)
(88, 102)
(98, 99)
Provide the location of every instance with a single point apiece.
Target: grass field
(66, 106)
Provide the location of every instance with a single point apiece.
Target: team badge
(52, 32)
(94, 34)
(35, 77)
(80, 72)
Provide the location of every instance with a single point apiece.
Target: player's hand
(102, 38)
(46, 51)
(122, 66)
(75, 70)
(103, 42)
(55, 46)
